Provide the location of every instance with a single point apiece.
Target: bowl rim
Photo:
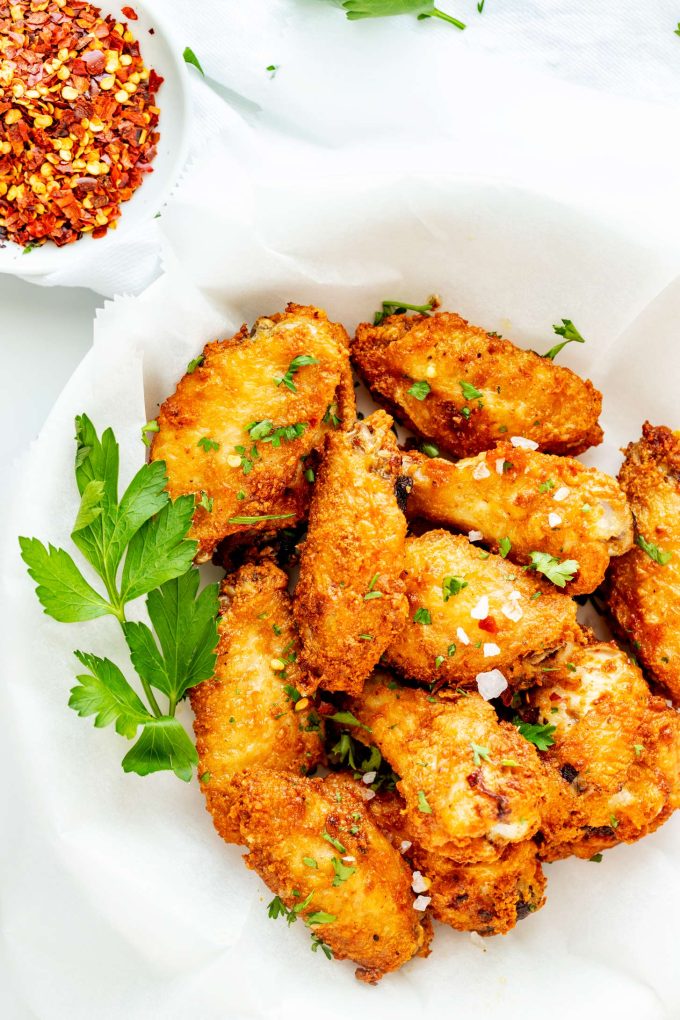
(176, 162)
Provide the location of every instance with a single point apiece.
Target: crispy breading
(472, 785)
(520, 393)
(489, 897)
(643, 595)
(515, 615)
(233, 389)
(349, 601)
(616, 751)
(315, 845)
(244, 715)
(538, 502)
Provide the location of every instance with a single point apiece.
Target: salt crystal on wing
(421, 902)
(491, 684)
(522, 443)
(512, 611)
(477, 940)
(489, 649)
(369, 777)
(405, 845)
(419, 883)
(499, 466)
(481, 471)
(368, 794)
(554, 520)
(481, 610)
(475, 536)
(561, 493)
(462, 636)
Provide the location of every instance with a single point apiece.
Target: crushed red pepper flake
(78, 120)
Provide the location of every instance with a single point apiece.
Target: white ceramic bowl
(164, 53)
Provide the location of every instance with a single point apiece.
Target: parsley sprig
(357, 9)
(660, 556)
(550, 567)
(297, 363)
(569, 331)
(137, 545)
(540, 734)
(399, 307)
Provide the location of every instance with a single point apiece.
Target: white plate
(119, 898)
(163, 53)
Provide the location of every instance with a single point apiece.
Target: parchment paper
(120, 901)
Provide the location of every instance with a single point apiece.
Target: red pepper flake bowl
(94, 126)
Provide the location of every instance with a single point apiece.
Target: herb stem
(447, 17)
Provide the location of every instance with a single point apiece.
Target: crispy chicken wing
(472, 785)
(463, 389)
(349, 600)
(489, 897)
(616, 751)
(534, 501)
(470, 615)
(644, 585)
(239, 425)
(314, 844)
(245, 715)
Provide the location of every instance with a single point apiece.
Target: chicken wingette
(529, 501)
(247, 714)
(242, 420)
(472, 785)
(644, 585)
(349, 601)
(464, 390)
(615, 754)
(314, 844)
(471, 612)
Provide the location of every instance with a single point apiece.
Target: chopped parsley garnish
(596, 858)
(348, 719)
(550, 567)
(451, 651)
(479, 753)
(272, 68)
(296, 364)
(334, 842)
(321, 917)
(659, 556)
(255, 520)
(292, 692)
(195, 363)
(276, 629)
(429, 449)
(452, 586)
(342, 871)
(208, 444)
(309, 475)
(331, 416)
(366, 637)
(438, 661)
(540, 734)
(470, 392)
(310, 862)
(638, 748)
(395, 307)
(318, 943)
(206, 501)
(191, 58)
(422, 616)
(569, 331)
(422, 803)
(265, 431)
(247, 458)
(419, 390)
(372, 595)
(466, 412)
(151, 426)
(546, 486)
(504, 547)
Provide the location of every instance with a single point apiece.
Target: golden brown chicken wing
(247, 714)
(237, 429)
(644, 585)
(472, 785)
(615, 756)
(472, 612)
(316, 847)
(489, 897)
(463, 389)
(528, 501)
(349, 600)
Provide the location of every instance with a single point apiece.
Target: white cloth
(550, 95)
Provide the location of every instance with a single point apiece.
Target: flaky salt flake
(523, 443)
(561, 494)
(369, 777)
(481, 610)
(419, 883)
(405, 845)
(475, 536)
(499, 466)
(554, 520)
(481, 471)
(512, 611)
(368, 794)
(514, 596)
(490, 649)
(422, 902)
(491, 684)
(462, 636)
(477, 940)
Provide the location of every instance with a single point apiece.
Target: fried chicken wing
(245, 715)
(473, 612)
(349, 600)
(644, 585)
(472, 785)
(615, 756)
(316, 847)
(237, 429)
(489, 897)
(531, 500)
(463, 389)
